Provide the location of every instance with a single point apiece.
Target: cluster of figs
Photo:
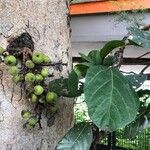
(32, 74)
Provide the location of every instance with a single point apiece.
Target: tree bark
(47, 22)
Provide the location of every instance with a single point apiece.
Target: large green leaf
(78, 138)
(110, 46)
(142, 38)
(111, 101)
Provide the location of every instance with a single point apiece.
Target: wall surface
(47, 22)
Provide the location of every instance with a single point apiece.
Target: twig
(12, 96)
(142, 71)
(143, 55)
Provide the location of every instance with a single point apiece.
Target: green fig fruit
(46, 59)
(29, 64)
(54, 109)
(16, 78)
(33, 121)
(39, 78)
(51, 97)
(37, 58)
(10, 60)
(26, 114)
(38, 90)
(44, 72)
(34, 98)
(1, 50)
(13, 70)
(29, 127)
(30, 77)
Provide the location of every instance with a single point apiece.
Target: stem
(98, 136)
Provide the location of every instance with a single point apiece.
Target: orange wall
(108, 6)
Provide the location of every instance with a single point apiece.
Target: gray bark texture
(47, 22)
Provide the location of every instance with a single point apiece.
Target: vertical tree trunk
(47, 22)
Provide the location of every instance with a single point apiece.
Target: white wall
(93, 31)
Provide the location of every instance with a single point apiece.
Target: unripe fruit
(37, 58)
(51, 97)
(1, 50)
(54, 109)
(34, 98)
(44, 72)
(29, 64)
(33, 121)
(26, 114)
(30, 77)
(46, 59)
(39, 78)
(13, 70)
(16, 78)
(29, 127)
(10, 60)
(38, 90)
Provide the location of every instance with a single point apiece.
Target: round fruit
(30, 77)
(37, 58)
(46, 59)
(26, 114)
(29, 127)
(44, 72)
(51, 97)
(16, 78)
(33, 121)
(13, 70)
(54, 109)
(39, 78)
(38, 90)
(1, 50)
(29, 64)
(10, 60)
(34, 98)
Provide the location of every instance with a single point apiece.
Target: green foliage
(67, 87)
(136, 80)
(142, 120)
(110, 46)
(142, 38)
(80, 70)
(78, 138)
(111, 101)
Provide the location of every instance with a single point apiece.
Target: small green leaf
(80, 70)
(88, 59)
(67, 87)
(95, 56)
(111, 101)
(73, 82)
(78, 138)
(110, 46)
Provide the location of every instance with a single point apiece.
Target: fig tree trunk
(47, 22)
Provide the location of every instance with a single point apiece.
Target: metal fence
(141, 142)
(116, 139)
